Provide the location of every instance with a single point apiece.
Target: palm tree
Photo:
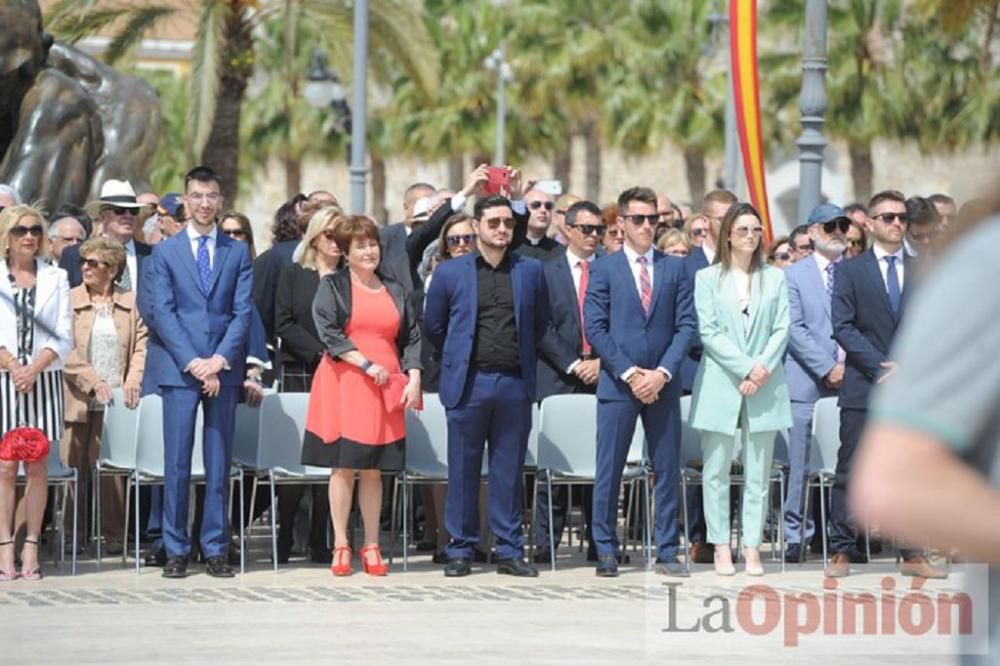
(224, 54)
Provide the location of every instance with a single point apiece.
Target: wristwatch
(367, 364)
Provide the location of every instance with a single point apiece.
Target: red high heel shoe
(341, 565)
(378, 568)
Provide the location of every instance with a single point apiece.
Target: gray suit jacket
(812, 351)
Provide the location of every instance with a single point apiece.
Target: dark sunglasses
(118, 210)
(639, 220)
(782, 256)
(808, 247)
(856, 242)
(614, 232)
(841, 223)
(507, 222)
(889, 218)
(21, 232)
(329, 234)
(589, 229)
(535, 205)
(86, 262)
(699, 232)
(460, 239)
(235, 233)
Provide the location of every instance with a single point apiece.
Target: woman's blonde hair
(672, 237)
(689, 224)
(326, 217)
(106, 249)
(14, 214)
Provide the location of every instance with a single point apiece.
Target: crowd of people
(531, 295)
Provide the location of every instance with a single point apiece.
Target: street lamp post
(359, 124)
(324, 89)
(497, 62)
(720, 26)
(812, 104)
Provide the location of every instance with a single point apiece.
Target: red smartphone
(497, 181)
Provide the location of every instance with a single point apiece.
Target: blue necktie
(203, 262)
(892, 283)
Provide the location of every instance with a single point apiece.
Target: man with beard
(814, 365)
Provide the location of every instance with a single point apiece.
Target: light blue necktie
(892, 284)
(204, 262)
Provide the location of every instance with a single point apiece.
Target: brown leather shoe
(838, 567)
(920, 567)
(702, 553)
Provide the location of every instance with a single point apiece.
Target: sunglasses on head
(535, 205)
(589, 229)
(21, 232)
(235, 233)
(639, 220)
(460, 239)
(507, 222)
(841, 223)
(889, 218)
(86, 262)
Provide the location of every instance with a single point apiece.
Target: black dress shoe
(669, 566)
(542, 557)
(607, 566)
(793, 553)
(218, 567)
(516, 566)
(155, 558)
(458, 567)
(175, 567)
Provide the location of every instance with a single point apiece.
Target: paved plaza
(301, 614)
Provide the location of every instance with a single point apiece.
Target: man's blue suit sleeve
(168, 327)
(685, 326)
(234, 341)
(597, 320)
(436, 309)
(860, 351)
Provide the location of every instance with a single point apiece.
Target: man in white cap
(117, 210)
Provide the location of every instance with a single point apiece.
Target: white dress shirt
(822, 262)
(709, 253)
(193, 235)
(883, 265)
(577, 272)
(133, 267)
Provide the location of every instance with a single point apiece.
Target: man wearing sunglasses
(640, 320)
(814, 364)
(566, 361)
(869, 298)
(485, 313)
(540, 212)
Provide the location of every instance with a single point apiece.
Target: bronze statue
(67, 122)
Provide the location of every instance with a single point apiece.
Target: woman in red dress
(368, 377)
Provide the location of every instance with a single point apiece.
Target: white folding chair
(63, 479)
(116, 458)
(822, 472)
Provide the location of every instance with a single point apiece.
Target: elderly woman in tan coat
(109, 352)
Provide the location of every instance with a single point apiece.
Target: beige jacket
(80, 377)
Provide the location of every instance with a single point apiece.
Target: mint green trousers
(717, 450)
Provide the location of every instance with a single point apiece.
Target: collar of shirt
(130, 248)
(193, 234)
(574, 260)
(709, 253)
(881, 254)
(481, 261)
(632, 255)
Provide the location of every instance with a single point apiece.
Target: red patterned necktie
(581, 293)
(645, 285)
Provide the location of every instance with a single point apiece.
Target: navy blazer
(694, 262)
(191, 322)
(812, 351)
(623, 336)
(266, 272)
(69, 261)
(562, 343)
(863, 323)
(450, 311)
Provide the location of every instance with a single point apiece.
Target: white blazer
(53, 317)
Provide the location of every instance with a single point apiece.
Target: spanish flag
(746, 97)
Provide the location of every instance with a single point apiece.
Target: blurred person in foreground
(928, 470)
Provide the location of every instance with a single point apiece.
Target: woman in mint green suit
(742, 307)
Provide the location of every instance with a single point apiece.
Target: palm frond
(72, 27)
(204, 83)
(138, 22)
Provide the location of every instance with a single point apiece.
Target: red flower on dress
(24, 444)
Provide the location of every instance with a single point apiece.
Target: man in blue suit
(814, 364)
(639, 318)
(485, 313)
(869, 296)
(566, 361)
(714, 206)
(201, 316)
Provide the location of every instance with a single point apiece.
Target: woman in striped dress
(35, 338)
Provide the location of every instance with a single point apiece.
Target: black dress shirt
(495, 346)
